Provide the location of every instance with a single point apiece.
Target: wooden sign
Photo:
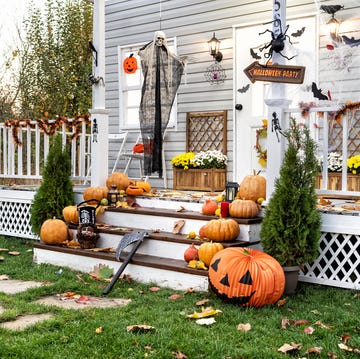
(275, 73)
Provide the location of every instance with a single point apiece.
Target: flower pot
(335, 181)
(211, 179)
(291, 279)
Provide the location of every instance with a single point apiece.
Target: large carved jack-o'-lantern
(247, 277)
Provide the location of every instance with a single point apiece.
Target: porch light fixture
(231, 190)
(333, 23)
(214, 45)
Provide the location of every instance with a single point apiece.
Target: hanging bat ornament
(298, 33)
(244, 88)
(318, 92)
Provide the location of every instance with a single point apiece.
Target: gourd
(121, 180)
(54, 231)
(191, 253)
(252, 187)
(243, 208)
(209, 207)
(97, 193)
(71, 214)
(221, 230)
(207, 250)
(130, 64)
(246, 277)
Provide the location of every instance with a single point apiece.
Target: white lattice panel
(338, 263)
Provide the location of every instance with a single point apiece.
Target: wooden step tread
(162, 236)
(186, 214)
(138, 259)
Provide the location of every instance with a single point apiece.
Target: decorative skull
(160, 38)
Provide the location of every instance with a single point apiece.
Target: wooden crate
(335, 181)
(199, 179)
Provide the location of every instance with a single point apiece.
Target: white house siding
(192, 22)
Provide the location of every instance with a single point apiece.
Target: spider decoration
(277, 43)
(215, 74)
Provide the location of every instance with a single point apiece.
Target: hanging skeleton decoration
(162, 72)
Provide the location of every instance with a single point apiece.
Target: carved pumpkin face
(130, 64)
(246, 277)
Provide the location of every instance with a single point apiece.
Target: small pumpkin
(221, 230)
(247, 277)
(97, 193)
(243, 208)
(120, 179)
(146, 186)
(71, 214)
(209, 207)
(191, 253)
(138, 148)
(252, 187)
(207, 250)
(130, 64)
(54, 231)
(134, 190)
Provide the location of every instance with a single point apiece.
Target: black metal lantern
(333, 23)
(231, 190)
(214, 45)
(113, 195)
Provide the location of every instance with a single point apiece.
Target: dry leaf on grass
(14, 253)
(314, 350)
(205, 312)
(281, 302)
(287, 348)
(202, 302)
(99, 330)
(244, 327)
(323, 326)
(178, 225)
(309, 330)
(154, 289)
(179, 355)
(175, 296)
(4, 250)
(138, 328)
(102, 272)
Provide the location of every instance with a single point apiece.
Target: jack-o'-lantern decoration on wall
(130, 64)
(246, 277)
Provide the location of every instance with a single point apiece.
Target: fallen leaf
(102, 272)
(202, 302)
(286, 348)
(99, 330)
(189, 290)
(345, 338)
(300, 322)
(332, 355)
(14, 253)
(4, 250)
(154, 289)
(309, 330)
(281, 302)
(2, 258)
(244, 327)
(205, 321)
(178, 225)
(284, 323)
(321, 325)
(4, 277)
(139, 328)
(179, 355)
(83, 299)
(174, 296)
(205, 312)
(180, 209)
(314, 350)
(316, 312)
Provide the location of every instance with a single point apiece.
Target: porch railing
(25, 146)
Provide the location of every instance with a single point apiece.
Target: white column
(99, 115)
(276, 103)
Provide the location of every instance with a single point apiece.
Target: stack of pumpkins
(56, 232)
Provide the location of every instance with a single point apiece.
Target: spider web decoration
(215, 74)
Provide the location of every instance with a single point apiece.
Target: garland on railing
(46, 125)
(349, 106)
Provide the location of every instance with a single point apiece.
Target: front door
(248, 147)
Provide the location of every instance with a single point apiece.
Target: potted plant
(290, 230)
(205, 170)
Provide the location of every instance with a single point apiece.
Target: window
(130, 88)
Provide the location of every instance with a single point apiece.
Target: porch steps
(159, 259)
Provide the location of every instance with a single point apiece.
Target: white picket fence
(24, 149)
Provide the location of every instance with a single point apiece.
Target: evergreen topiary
(55, 191)
(290, 229)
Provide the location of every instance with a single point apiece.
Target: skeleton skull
(160, 38)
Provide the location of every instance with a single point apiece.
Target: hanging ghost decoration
(162, 71)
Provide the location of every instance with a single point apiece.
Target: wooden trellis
(206, 131)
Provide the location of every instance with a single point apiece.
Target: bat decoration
(352, 42)
(254, 55)
(331, 9)
(317, 92)
(298, 33)
(244, 88)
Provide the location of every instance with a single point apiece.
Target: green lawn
(331, 312)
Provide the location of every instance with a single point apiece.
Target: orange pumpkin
(146, 186)
(247, 277)
(121, 180)
(252, 187)
(207, 251)
(243, 208)
(71, 214)
(97, 193)
(134, 190)
(221, 230)
(54, 231)
(209, 207)
(130, 64)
